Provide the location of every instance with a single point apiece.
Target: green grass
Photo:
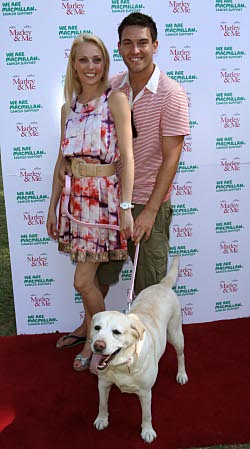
(7, 313)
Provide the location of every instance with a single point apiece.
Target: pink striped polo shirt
(160, 109)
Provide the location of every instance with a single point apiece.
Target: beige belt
(81, 169)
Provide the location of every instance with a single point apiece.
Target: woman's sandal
(84, 361)
(77, 341)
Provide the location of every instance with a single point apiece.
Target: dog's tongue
(95, 359)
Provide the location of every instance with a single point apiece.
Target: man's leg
(153, 253)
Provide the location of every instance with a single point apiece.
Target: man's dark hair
(139, 19)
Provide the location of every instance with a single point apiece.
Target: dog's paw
(101, 423)
(148, 434)
(181, 378)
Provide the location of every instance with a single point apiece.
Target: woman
(95, 129)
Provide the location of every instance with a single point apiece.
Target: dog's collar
(138, 348)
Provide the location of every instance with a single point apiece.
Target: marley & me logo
(229, 98)
(37, 261)
(20, 58)
(31, 130)
(27, 83)
(182, 55)
(183, 290)
(181, 77)
(229, 248)
(230, 208)
(228, 186)
(73, 9)
(27, 153)
(183, 231)
(40, 320)
(37, 219)
(187, 145)
(180, 7)
(227, 143)
(182, 251)
(229, 53)
(231, 30)
(227, 226)
(16, 9)
(178, 29)
(186, 272)
(227, 267)
(182, 209)
(232, 77)
(229, 287)
(30, 197)
(37, 280)
(187, 310)
(33, 239)
(24, 106)
(229, 5)
(70, 31)
(41, 301)
(230, 122)
(226, 306)
(183, 168)
(125, 6)
(21, 34)
(31, 176)
(182, 189)
(233, 165)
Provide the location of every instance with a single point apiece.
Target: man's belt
(81, 169)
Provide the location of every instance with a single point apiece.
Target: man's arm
(171, 152)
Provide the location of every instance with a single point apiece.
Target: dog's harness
(65, 211)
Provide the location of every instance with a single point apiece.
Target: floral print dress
(90, 134)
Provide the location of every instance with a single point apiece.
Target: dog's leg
(176, 338)
(148, 434)
(101, 421)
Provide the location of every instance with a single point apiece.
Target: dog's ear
(136, 325)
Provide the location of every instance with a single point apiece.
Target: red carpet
(44, 404)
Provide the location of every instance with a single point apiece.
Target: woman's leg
(86, 284)
(81, 331)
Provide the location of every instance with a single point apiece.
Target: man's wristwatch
(126, 205)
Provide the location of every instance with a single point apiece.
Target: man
(160, 122)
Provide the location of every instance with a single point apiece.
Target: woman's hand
(126, 223)
(51, 225)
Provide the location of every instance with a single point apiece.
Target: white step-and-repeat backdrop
(205, 46)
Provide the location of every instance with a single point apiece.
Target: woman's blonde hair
(72, 85)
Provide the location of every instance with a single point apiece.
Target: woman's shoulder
(116, 96)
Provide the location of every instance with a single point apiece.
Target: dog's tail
(170, 280)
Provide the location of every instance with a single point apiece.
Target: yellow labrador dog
(130, 347)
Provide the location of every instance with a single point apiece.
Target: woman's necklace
(85, 104)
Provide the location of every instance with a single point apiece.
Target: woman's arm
(57, 186)
(120, 110)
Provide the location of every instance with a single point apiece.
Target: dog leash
(67, 190)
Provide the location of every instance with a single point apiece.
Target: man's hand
(143, 225)
(64, 169)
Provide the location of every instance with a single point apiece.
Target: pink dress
(90, 134)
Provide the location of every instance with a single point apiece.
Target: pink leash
(98, 225)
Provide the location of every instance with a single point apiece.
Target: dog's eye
(97, 328)
(116, 332)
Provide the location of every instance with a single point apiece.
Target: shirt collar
(152, 83)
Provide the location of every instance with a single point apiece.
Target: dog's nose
(99, 345)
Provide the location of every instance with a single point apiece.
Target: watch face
(124, 205)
